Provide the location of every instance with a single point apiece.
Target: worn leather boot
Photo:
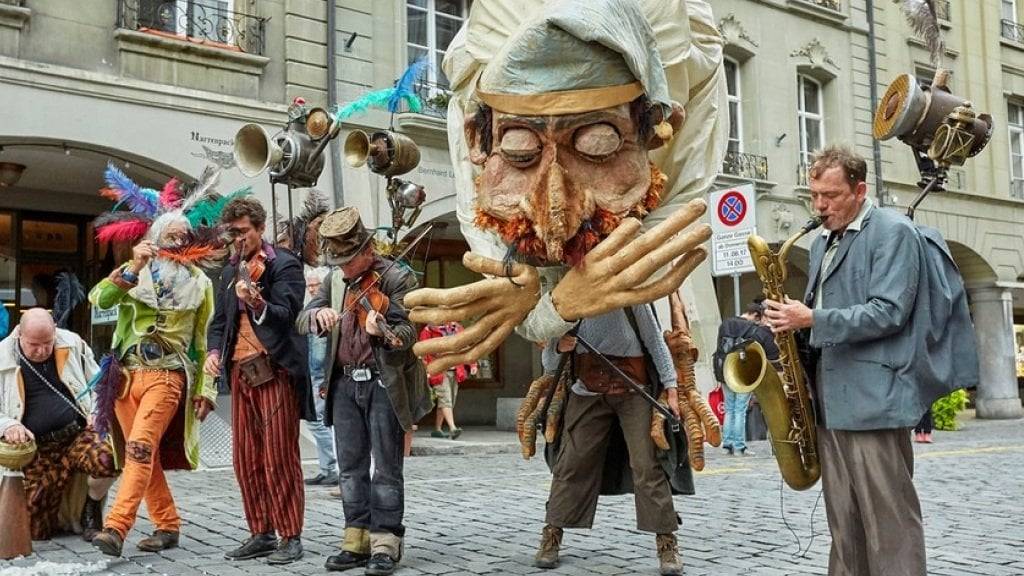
(109, 542)
(160, 540)
(668, 555)
(550, 542)
(288, 550)
(256, 546)
(92, 518)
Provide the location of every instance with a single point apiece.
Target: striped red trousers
(265, 421)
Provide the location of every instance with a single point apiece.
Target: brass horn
(387, 153)
(931, 119)
(255, 151)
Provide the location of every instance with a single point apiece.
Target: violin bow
(405, 251)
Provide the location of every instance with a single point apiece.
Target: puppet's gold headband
(562, 102)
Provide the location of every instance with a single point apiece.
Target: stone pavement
(482, 513)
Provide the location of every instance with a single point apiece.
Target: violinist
(376, 387)
(253, 346)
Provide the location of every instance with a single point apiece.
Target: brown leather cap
(343, 234)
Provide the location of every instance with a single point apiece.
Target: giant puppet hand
(699, 423)
(617, 272)
(495, 306)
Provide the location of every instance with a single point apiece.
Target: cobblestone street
(481, 514)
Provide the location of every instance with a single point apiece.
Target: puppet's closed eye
(520, 146)
(597, 142)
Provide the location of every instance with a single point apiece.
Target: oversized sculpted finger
(492, 308)
(617, 272)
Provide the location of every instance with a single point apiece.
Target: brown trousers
(577, 473)
(872, 507)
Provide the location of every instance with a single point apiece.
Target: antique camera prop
(292, 156)
(942, 129)
(390, 154)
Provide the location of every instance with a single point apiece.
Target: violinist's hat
(344, 235)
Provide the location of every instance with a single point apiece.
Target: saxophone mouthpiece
(813, 223)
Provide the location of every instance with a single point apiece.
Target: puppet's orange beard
(520, 233)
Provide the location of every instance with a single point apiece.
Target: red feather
(170, 196)
(110, 194)
(127, 231)
(190, 254)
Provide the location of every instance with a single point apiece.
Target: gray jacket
(867, 376)
(402, 374)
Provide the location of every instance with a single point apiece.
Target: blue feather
(375, 99)
(407, 84)
(139, 200)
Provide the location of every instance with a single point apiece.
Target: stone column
(992, 309)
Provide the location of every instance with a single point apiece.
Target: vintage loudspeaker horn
(387, 153)
(255, 150)
(931, 120)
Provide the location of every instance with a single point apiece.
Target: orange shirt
(248, 344)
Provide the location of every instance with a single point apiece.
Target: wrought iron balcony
(195, 21)
(435, 98)
(942, 9)
(745, 165)
(1013, 31)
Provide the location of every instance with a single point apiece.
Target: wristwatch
(129, 276)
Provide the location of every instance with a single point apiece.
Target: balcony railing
(745, 165)
(194, 21)
(1013, 31)
(1017, 189)
(435, 98)
(942, 9)
(802, 177)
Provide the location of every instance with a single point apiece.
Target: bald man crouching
(44, 372)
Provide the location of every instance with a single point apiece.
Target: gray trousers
(872, 507)
(577, 473)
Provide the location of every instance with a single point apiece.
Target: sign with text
(732, 221)
(103, 316)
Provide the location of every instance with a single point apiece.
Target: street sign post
(732, 222)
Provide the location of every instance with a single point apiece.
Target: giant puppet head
(565, 114)
(566, 121)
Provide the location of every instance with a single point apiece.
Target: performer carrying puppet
(556, 110)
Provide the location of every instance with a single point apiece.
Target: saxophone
(784, 396)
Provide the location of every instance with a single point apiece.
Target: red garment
(265, 423)
(430, 331)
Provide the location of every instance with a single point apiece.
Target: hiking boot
(345, 561)
(668, 555)
(550, 542)
(92, 518)
(380, 564)
(109, 542)
(288, 550)
(160, 540)
(255, 547)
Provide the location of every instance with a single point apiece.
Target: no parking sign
(732, 221)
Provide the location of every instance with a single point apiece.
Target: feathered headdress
(390, 99)
(925, 22)
(199, 203)
(297, 230)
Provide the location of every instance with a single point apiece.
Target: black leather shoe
(322, 479)
(109, 542)
(92, 518)
(288, 550)
(255, 547)
(380, 564)
(345, 561)
(160, 540)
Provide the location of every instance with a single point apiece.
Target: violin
(364, 296)
(249, 272)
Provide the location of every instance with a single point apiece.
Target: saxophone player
(865, 269)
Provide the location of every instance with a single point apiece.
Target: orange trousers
(144, 414)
